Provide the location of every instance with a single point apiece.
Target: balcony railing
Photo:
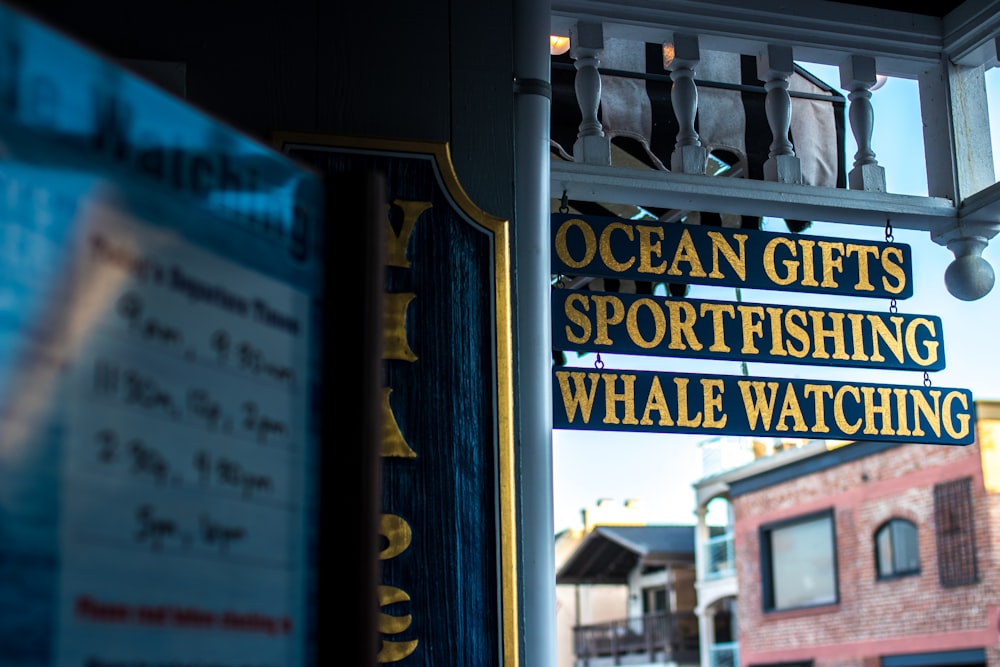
(962, 208)
(719, 556)
(660, 636)
(724, 654)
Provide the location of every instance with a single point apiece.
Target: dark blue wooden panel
(444, 404)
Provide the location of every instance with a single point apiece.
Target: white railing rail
(724, 654)
(720, 557)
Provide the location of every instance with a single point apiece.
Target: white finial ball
(969, 277)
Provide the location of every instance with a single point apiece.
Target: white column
(533, 338)
(586, 43)
(774, 67)
(689, 156)
(857, 76)
(959, 157)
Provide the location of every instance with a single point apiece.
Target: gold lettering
(838, 409)
(836, 334)
(391, 625)
(576, 317)
(762, 406)
(658, 402)
(930, 346)
(393, 443)
(395, 651)
(712, 390)
(862, 251)
(717, 310)
(659, 323)
(394, 327)
(395, 254)
(682, 318)
(562, 248)
(819, 408)
(797, 331)
(902, 428)
(626, 397)
(881, 331)
(608, 311)
(607, 256)
(579, 396)
(790, 408)
(397, 533)
(857, 336)
(751, 329)
(808, 266)
(777, 337)
(921, 407)
(683, 419)
(830, 262)
(893, 269)
(738, 262)
(686, 252)
(883, 410)
(963, 417)
(648, 250)
(791, 267)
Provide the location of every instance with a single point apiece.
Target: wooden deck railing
(670, 637)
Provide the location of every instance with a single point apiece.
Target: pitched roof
(609, 553)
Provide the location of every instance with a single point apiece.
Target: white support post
(586, 45)
(774, 67)
(959, 156)
(689, 156)
(857, 75)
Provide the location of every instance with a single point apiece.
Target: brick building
(867, 554)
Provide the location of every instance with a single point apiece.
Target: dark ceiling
(938, 9)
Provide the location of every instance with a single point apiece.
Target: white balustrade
(586, 43)
(857, 75)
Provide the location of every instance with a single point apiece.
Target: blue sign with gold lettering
(159, 333)
(651, 402)
(663, 326)
(619, 248)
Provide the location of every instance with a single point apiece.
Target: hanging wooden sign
(674, 252)
(651, 402)
(590, 321)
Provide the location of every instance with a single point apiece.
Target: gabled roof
(609, 553)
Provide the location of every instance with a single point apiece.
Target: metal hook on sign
(564, 203)
(599, 363)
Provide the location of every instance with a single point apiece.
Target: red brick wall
(873, 618)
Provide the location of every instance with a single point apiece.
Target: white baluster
(857, 75)
(689, 156)
(586, 44)
(774, 66)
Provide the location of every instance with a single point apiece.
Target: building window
(799, 562)
(896, 550)
(956, 539)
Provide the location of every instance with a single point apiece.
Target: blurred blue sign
(157, 345)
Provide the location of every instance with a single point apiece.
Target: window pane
(906, 557)
(803, 564)
(884, 549)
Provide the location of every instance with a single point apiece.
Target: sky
(658, 470)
